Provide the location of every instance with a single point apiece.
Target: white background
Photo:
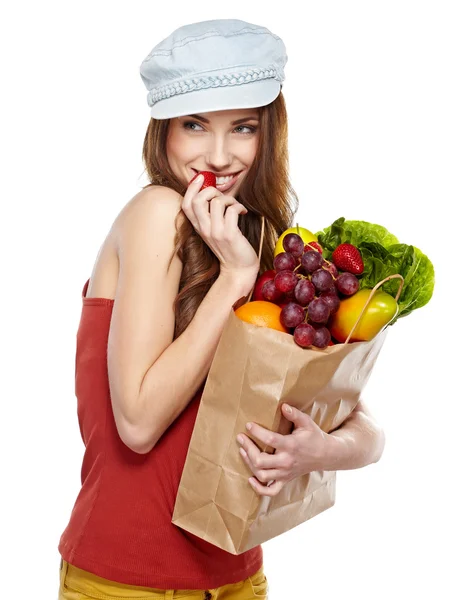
(367, 91)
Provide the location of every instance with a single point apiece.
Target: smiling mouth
(225, 175)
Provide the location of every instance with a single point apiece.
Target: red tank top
(120, 527)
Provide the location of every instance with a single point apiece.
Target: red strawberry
(208, 181)
(348, 258)
(314, 246)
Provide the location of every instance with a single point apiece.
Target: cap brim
(251, 95)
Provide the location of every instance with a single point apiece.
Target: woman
(176, 260)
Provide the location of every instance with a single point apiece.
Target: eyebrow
(251, 118)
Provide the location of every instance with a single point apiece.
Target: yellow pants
(76, 584)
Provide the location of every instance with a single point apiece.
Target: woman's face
(213, 141)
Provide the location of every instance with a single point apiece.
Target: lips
(217, 175)
(224, 187)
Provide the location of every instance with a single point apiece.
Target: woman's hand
(358, 442)
(215, 218)
(304, 450)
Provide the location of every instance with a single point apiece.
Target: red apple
(266, 276)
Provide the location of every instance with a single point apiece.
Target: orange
(261, 313)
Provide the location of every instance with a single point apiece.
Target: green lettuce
(384, 255)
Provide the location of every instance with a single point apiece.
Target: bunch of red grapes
(309, 289)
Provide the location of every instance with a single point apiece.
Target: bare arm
(359, 441)
(152, 377)
(177, 374)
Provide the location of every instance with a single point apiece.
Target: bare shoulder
(152, 212)
(148, 202)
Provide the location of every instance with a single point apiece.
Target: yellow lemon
(306, 235)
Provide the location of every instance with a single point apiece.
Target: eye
(252, 129)
(189, 125)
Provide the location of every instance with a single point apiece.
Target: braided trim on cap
(200, 83)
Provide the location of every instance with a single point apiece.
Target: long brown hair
(266, 190)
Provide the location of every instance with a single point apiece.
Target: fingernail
(287, 408)
(248, 426)
(240, 439)
(199, 178)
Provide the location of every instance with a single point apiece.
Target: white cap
(213, 65)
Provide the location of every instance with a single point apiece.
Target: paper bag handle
(399, 291)
(261, 239)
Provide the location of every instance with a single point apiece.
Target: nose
(219, 155)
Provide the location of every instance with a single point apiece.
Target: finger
(217, 207)
(186, 205)
(299, 418)
(200, 208)
(263, 475)
(232, 218)
(264, 490)
(267, 437)
(261, 460)
(192, 190)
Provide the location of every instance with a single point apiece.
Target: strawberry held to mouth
(347, 258)
(208, 181)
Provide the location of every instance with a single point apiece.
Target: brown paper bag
(254, 371)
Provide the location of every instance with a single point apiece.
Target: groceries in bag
(325, 290)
